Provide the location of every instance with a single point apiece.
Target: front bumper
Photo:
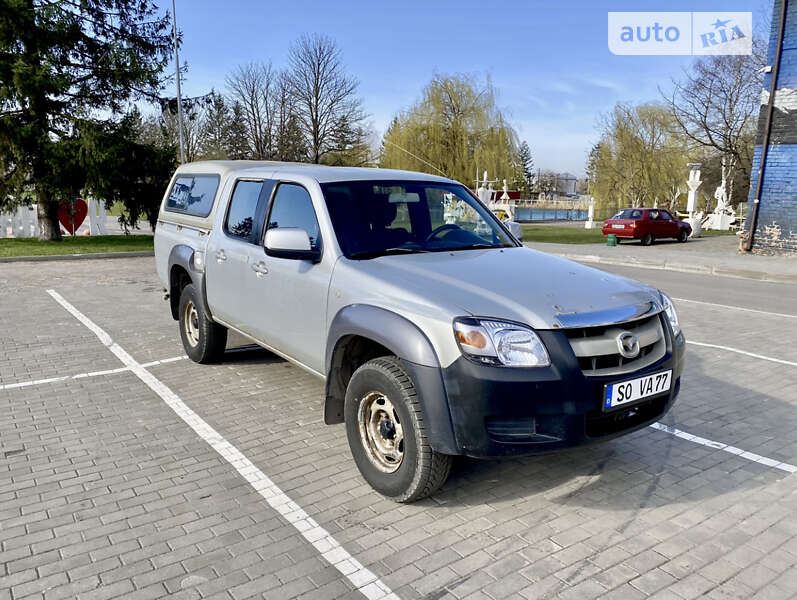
(505, 411)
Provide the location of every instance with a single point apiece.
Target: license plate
(618, 226)
(633, 390)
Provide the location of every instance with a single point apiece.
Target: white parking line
(362, 578)
(744, 352)
(22, 384)
(769, 462)
(728, 306)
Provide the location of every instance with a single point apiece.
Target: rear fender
(181, 262)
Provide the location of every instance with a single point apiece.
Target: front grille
(598, 353)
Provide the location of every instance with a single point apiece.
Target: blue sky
(548, 60)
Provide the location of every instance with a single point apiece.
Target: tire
(682, 236)
(204, 340)
(647, 239)
(382, 395)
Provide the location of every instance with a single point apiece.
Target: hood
(517, 284)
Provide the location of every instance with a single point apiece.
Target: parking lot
(128, 471)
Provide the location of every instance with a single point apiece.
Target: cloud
(603, 83)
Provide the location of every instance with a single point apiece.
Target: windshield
(376, 218)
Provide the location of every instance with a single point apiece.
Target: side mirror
(292, 243)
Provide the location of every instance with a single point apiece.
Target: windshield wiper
(476, 247)
(387, 252)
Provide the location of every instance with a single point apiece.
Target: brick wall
(776, 229)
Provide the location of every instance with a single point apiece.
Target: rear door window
(241, 215)
(193, 195)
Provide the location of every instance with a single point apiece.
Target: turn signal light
(472, 338)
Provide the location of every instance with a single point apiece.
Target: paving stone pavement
(106, 493)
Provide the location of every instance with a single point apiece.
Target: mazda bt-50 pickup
(437, 333)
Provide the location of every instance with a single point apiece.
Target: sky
(548, 60)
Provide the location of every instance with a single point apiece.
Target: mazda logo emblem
(628, 344)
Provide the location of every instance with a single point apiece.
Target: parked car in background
(646, 225)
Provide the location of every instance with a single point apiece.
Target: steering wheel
(442, 228)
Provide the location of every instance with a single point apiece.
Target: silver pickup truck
(437, 333)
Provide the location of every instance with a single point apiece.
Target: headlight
(500, 343)
(669, 309)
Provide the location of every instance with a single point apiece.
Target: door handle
(260, 268)
(221, 256)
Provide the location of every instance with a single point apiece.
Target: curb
(719, 271)
(89, 256)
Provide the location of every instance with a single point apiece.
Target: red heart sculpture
(72, 216)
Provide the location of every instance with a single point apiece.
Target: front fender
(407, 342)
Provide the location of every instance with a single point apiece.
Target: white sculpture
(97, 221)
(691, 204)
(723, 215)
(590, 224)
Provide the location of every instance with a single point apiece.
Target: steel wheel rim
(191, 322)
(381, 432)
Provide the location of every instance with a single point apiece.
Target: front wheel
(387, 434)
(683, 236)
(204, 340)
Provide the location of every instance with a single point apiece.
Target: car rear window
(193, 195)
(629, 213)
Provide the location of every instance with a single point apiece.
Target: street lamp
(179, 95)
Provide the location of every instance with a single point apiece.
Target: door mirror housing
(292, 243)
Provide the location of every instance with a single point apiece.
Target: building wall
(776, 228)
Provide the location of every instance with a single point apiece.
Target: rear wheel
(682, 236)
(204, 340)
(387, 434)
(647, 239)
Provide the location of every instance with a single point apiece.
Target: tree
(60, 62)
(215, 129)
(237, 140)
(251, 86)
(351, 148)
(325, 94)
(117, 165)
(640, 160)
(290, 142)
(525, 165)
(716, 107)
(455, 129)
(195, 112)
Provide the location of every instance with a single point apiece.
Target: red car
(647, 225)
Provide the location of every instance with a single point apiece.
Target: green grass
(562, 235)
(75, 245)
(713, 232)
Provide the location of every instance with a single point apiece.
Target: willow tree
(455, 129)
(640, 159)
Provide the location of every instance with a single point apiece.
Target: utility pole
(179, 95)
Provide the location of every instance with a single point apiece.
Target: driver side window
(292, 207)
